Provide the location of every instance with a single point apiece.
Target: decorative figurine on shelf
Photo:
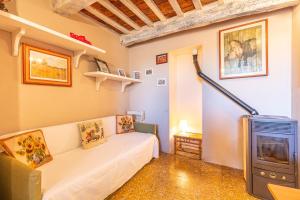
(2, 5)
(102, 66)
(79, 37)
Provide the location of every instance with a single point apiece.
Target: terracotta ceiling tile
(205, 2)
(186, 5)
(165, 7)
(99, 20)
(110, 15)
(118, 4)
(146, 10)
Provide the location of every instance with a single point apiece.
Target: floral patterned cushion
(29, 148)
(92, 134)
(124, 124)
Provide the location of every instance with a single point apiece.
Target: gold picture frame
(244, 50)
(44, 67)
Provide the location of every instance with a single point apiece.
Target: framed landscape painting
(44, 67)
(244, 50)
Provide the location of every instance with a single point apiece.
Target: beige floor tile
(179, 178)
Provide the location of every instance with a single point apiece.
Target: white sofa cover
(93, 174)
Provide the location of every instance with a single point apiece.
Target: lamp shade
(183, 126)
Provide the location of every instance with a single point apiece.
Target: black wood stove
(270, 146)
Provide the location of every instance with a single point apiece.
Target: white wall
(296, 72)
(185, 92)
(222, 139)
(148, 96)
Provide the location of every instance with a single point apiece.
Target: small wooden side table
(188, 144)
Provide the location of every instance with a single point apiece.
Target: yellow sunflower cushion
(92, 134)
(29, 148)
(124, 124)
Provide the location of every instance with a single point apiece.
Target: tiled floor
(179, 178)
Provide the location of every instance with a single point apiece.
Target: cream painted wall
(31, 106)
(222, 139)
(147, 95)
(185, 92)
(8, 88)
(296, 72)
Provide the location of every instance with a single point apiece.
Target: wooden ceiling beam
(89, 19)
(155, 9)
(137, 12)
(221, 1)
(197, 4)
(117, 12)
(107, 19)
(93, 21)
(204, 17)
(176, 7)
(70, 7)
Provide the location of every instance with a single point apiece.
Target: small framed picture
(121, 72)
(102, 65)
(136, 75)
(161, 82)
(162, 58)
(148, 72)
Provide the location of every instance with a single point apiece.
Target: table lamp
(183, 126)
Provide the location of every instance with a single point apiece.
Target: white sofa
(93, 174)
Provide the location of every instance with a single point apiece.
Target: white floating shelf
(20, 27)
(101, 77)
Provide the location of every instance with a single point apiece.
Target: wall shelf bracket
(16, 38)
(102, 76)
(99, 81)
(77, 55)
(125, 84)
(18, 27)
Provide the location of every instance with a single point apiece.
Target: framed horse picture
(244, 50)
(162, 58)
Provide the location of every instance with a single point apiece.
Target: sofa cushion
(109, 125)
(70, 137)
(29, 148)
(92, 133)
(95, 173)
(68, 134)
(62, 138)
(124, 124)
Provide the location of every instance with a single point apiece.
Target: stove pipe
(231, 96)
